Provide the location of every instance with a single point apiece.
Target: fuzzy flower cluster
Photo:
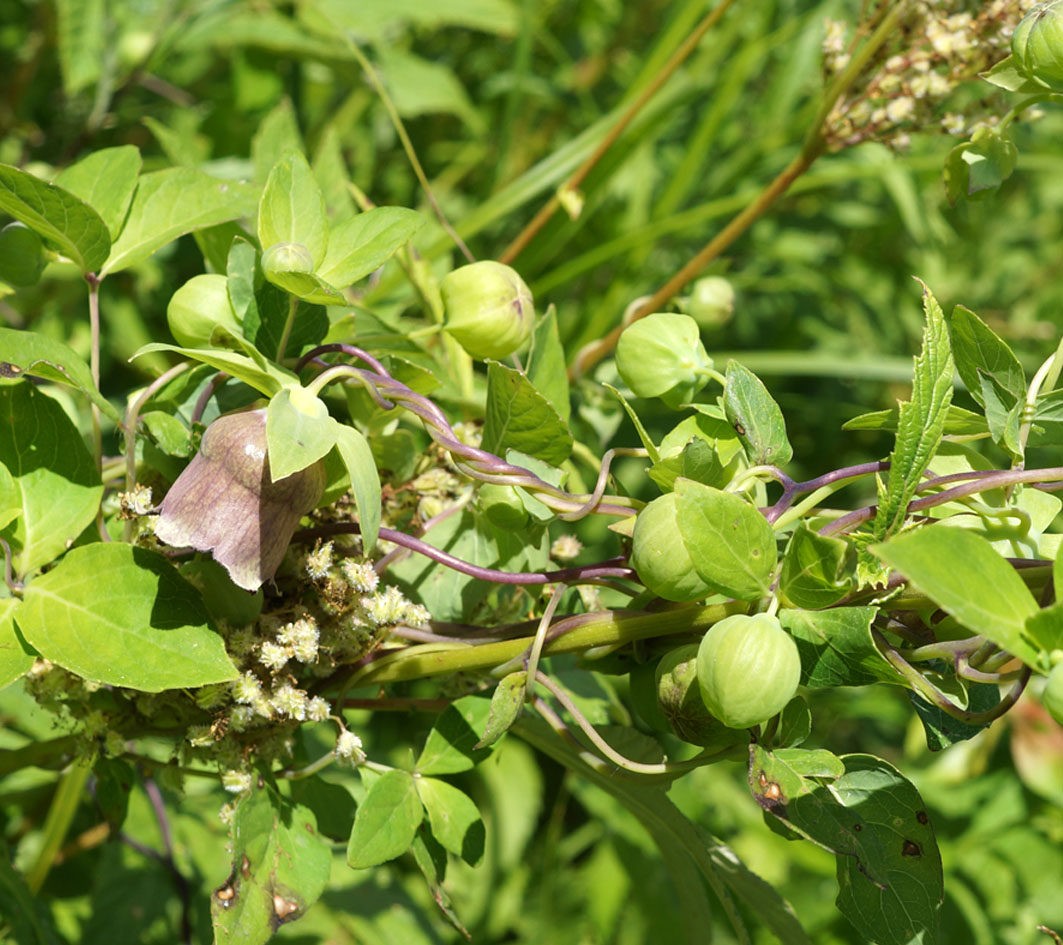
(942, 45)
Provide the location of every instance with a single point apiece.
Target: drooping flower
(226, 503)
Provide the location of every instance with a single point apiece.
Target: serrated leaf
(386, 821)
(54, 478)
(507, 701)
(63, 220)
(280, 868)
(144, 627)
(41, 356)
(980, 350)
(450, 746)
(357, 456)
(730, 543)
(292, 209)
(105, 180)
(756, 417)
(836, 647)
(361, 244)
(519, 417)
(961, 573)
(454, 819)
(922, 421)
(170, 203)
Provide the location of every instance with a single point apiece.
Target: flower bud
(679, 696)
(659, 556)
(199, 308)
(226, 503)
(287, 257)
(662, 356)
(21, 255)
(711, 301)
(489, 309)
(1037, 45)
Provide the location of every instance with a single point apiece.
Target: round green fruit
(502, 506)
(287, 257)
(1037, 45)
(1052, 695)
(659, 556)
(662, 356)
(680, 701)
(22, 257)
(199, 308)
(489, 309)
(748, 668)
(711, 302)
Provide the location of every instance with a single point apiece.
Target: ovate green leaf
(280, 868)
(454, 819)
(520, 418)
(299, 431)
(756, 417)
(730, 543)
(961, 573)
(836, 647)
(169, 203)
(105, 180)
(14, 658)
(813, 569)
(66, 222)
(365, 481)
(977, 350)
(292, 209)
(123, 616)
(59, 489)
(363, 243)
(450, 746)
(386, 821)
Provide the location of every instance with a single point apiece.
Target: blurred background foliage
(502, 100)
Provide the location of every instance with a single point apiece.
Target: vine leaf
(28, 352)
(280, 868)
(756, 417)
(363, 243)
(506, 703)
(865, 812)
(105, 180)
(386, 821)
(814, 569)
(962, 573)
(730, 543)
(64, 221)
(15, 659)
(519, 417)
(144, 627)
(836, 647)
(451, 744)
(921, 422)
(51, 478)
(454, 819)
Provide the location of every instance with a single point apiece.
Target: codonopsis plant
(319, 512)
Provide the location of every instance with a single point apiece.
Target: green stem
(49, 754)
(57, 822)
(536, 649)
(293, 304)
(599, 629)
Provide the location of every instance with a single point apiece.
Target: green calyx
(200, 314)
(1037, 45)
(662, 356)
(748, 668)
(659, 556)
(489, 309)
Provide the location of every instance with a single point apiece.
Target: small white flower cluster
(565, 548)
(944, 45)
(389, 608)
(349, 748)
(284, 702)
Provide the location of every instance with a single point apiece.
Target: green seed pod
(1052, 695)
(679, 697)
(502, 506)
(287, 257)
(1037, 45)
(662, 356)
(659, 556)
(711, 302)
(748, 668)
(200, 308)
(22, 257)
(227, 503)
(489, 309)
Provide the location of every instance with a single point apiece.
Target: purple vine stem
(613, 568)
(477, 463)
(792, 489)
